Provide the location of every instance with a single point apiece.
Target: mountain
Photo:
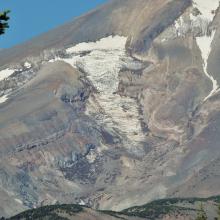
(115, 109)
(177, 208)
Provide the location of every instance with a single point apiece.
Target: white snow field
(6, 73)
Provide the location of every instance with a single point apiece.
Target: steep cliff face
(114, 109)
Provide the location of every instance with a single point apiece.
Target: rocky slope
(114, 109)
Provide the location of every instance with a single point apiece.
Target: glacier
(102, 61)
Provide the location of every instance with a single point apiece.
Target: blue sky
(30, 18)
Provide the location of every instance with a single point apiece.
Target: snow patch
(204, 43)
(6, 73)
(19, 201)
(108, 43)
(82, 202)
(27, 65)
(206, 8)
(3, 99)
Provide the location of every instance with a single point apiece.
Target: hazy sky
(32, 17)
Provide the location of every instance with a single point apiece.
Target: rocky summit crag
(117, 108)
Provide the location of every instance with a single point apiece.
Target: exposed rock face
(113, 114)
